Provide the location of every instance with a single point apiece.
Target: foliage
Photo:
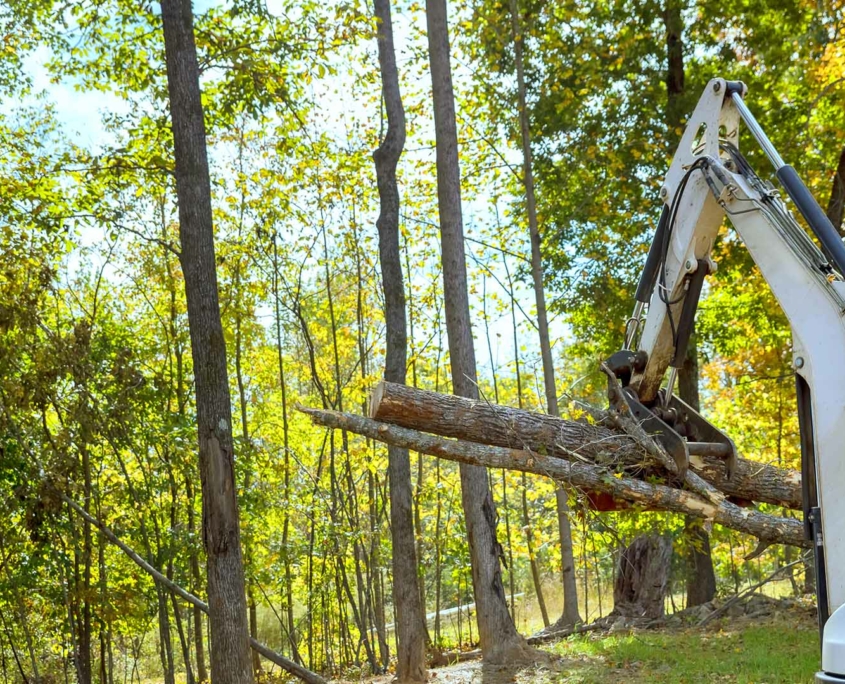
(95, 364)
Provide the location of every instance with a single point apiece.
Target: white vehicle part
(812, 299)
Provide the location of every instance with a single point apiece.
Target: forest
(242, 241)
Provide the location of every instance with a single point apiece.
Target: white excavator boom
(708, 180)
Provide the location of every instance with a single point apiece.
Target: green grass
(781, 651)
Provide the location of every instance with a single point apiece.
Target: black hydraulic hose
(813, 214)
(811, 211)
(649, 275)
(687, 320)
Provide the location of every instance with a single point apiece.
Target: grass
(783, 650)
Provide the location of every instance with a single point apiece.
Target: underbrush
(783, 649)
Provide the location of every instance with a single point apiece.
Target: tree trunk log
(769, 529)
(578, 441)
(642, 577)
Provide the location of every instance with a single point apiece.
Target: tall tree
(700, 576)
(570, 614)
(410, 626)
(500, 642)
(230, 660)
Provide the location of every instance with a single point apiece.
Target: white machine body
(812, 298)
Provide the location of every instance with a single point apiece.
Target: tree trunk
(486, 423)
(570, 614)
(700, 575)
(701, 582)
(410, 620)
(84, 620)
(532, 558)
(165, 646)
(196, 584)
(500, 642)
(247, 465)
(230, 661)
(642, 577)
(674, 22)
(769, 529)
(701, 578)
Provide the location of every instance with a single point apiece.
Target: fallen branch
(574, 440)
(545, 637)
(288, 665)
(770, 528)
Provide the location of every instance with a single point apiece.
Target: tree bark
(701, 577)
(486, 423)
(642, 577)
(230, 661)
(500, 642)
(769, 529)
(674, 22)
(532, 558)
(410, 620)
(570, 614)
(700, 574)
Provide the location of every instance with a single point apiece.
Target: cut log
(642, 577)
(573, 440)
(486, 423)
(769, 529)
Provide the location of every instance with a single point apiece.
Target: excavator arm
(708, 180)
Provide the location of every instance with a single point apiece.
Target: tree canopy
(97, 378)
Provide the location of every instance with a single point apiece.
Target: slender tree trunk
(102, 630)
(247, 456)
(165, 646)
(700, 576)
(30, 644)
(291, 625)
(183, 641)
(518, 373)
(532, 558)
(570, 614)
(11, 639)
(196, 584)
(230, 660)
(410, 620)
(500, 642)
(248, 466)
(418, 526)
(674, 23)
(84, 639)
